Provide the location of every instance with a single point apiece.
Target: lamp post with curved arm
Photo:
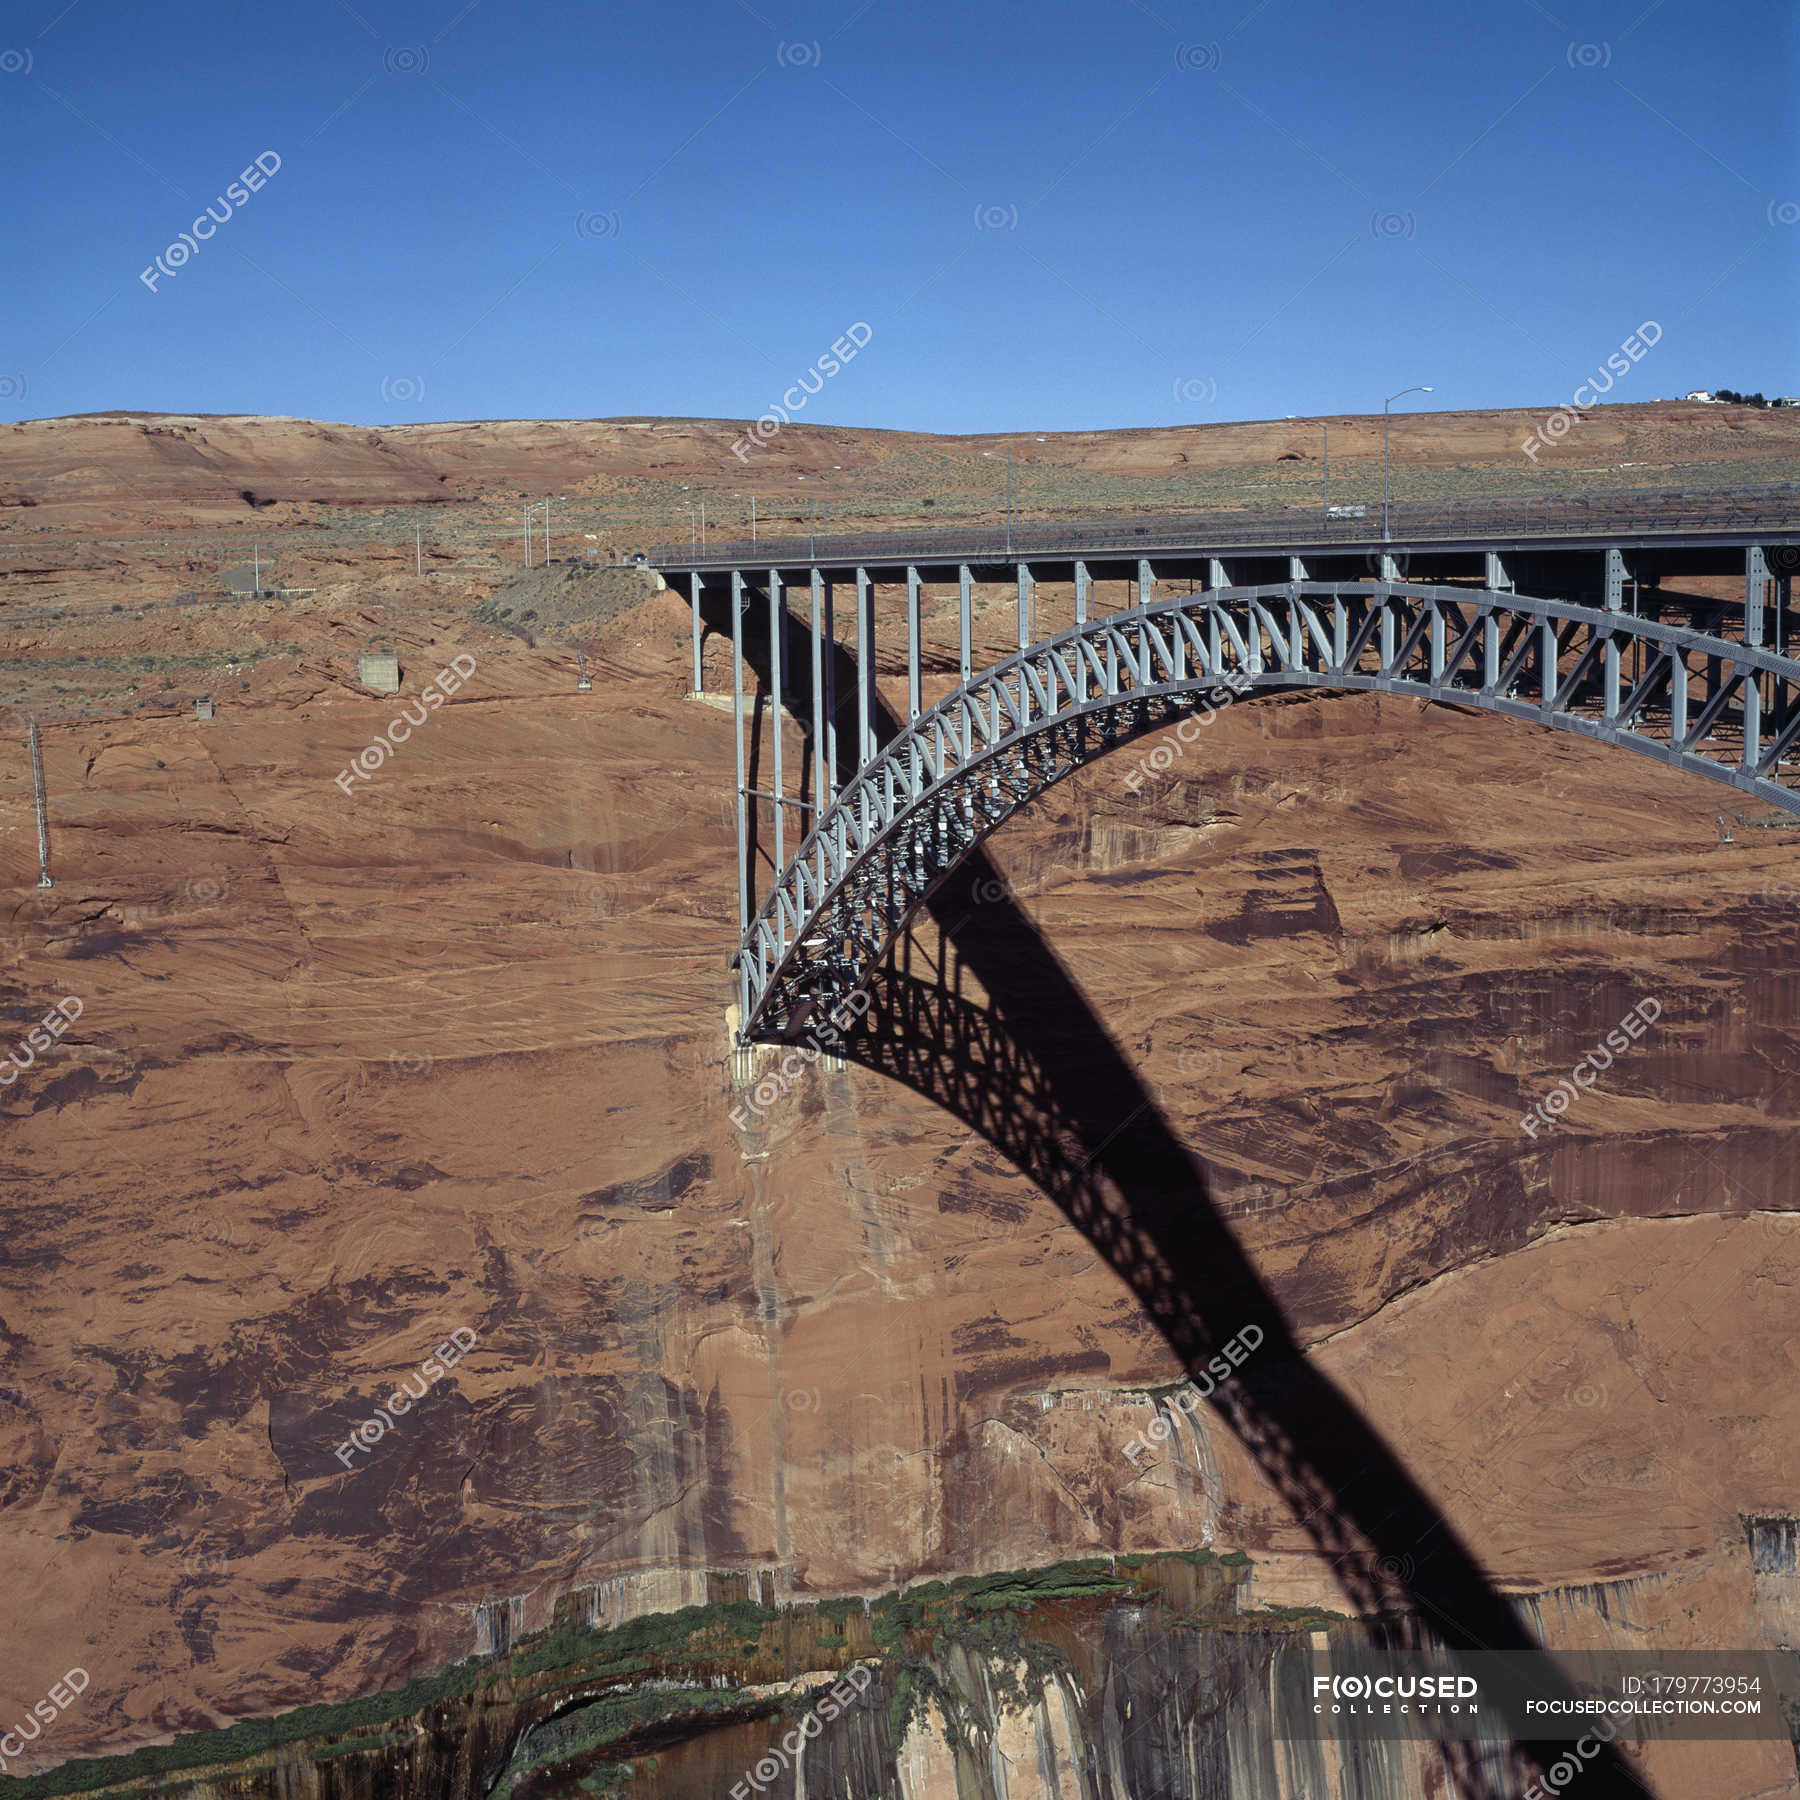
(819, 500)
(701, 498)
(1009, 490)
(1389, 401)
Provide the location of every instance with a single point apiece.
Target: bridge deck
(1660, 520)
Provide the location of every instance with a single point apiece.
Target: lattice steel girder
(957, 772)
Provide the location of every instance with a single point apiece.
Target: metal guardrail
(1655, 512)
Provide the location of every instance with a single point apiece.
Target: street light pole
(545, 503)
(1327, 430)
(818, 500)
(1008, 492)
(1389, 401)
(1010, 504)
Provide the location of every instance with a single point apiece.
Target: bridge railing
(1774, 507)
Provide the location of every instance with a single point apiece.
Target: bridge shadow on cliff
(1029, 1065)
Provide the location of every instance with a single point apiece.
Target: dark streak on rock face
(656, 1193)
(151, 1512)
(1028, 1371)
(990, 1333)
(1290, 900)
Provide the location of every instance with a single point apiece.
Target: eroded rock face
(354, 1072)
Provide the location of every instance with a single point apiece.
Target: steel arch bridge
(959, 770)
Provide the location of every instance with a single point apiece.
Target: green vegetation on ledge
(698, 1644)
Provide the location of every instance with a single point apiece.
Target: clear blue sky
(1051, 215)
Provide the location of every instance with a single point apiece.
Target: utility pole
(418, 551)
(37, 782)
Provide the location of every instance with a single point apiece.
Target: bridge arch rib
(957, 772)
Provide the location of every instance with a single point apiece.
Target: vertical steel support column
(1340, 631)
(865, 669)
(1081, 615)
(1386, 603)
(1297, 569)
(1678, 698)
(1025, 612)
(1612, 677)
(1490, 652)
(914, 696)
(1756, 578)
(965, 603)
(1751, 689)
(1498, 580)
(694, 592)
(1390, 568)
(737, 738)
(821, 774)
(831, 747)
(1615, 581)
(1146, 583)
(777, 688)
(1439, 655)
(1215, 573)
(1547, 658)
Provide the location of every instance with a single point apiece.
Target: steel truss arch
(957, 772)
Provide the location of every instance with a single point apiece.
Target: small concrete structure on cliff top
(379, 670)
